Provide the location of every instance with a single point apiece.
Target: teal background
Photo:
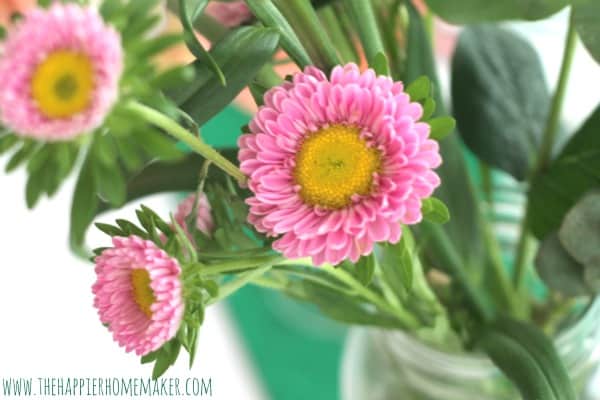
(295, 351)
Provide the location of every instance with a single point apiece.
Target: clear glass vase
(391, 365)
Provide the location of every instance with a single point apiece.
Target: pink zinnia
(60, 71)
(337, 164)
(204, 221)
(230, 14)
(138, 294)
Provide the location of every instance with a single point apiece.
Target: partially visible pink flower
(60, 70)
(138, 294)
(230, 14)
(204, 221)
(337, 163)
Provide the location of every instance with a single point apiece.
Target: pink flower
(138, 294)
(60, 70)
(230, 14)
(337, 164)
(204, 221)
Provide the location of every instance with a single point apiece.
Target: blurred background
(258, 344)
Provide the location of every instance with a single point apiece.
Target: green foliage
(558, 269)
(586, 14)
(434, 210)
(500, 98)
(396, 264)
(473, 11)
(240, 55)
(572, 174)
(527, 356)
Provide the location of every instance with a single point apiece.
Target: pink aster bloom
(230, 14)
(138, 294)
(204, 221)
(337, 164)
(60, 69)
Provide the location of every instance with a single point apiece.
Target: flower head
(337, 164)
(230, 14)
(60, 71)
(204, 221)
(138, 294)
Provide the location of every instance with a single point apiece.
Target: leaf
(558, 269)
(240, 55)
(419, 89)
(580, 230)
(441, 127)
(83, 206)
(188, 13)
(380, 64)
(268, 14)
(518, 366)
(395, 261)
(434, 210)
(572, 174)
(364, 269)
(542, 351)
(500, 97)
(472, 11)
(586, 14)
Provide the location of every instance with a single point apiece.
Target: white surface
(48, 325)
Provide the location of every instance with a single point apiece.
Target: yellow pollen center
(142, 292)
(334, 164)
(62, 84)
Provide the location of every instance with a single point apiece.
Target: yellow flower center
(334, 164)
(142, 292)
(62, 84)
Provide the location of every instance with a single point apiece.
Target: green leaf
(500, 97)
(434, 210)
(83, 206)
(472, 11)
(25, 151)
(542, 351)
(186, 9)
(268, 14)
(441, 127)
(395, 261)
(518, 366)
(364, 269)
(380, 64)
(7, 142)
(580, 230)
(240, 56)
(572, 174)
(558, 269)
(419, 89)
(110, 182)
(166, 357)
(586, 14)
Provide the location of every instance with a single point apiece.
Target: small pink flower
(230, 14)
(60, 70)
(138, 294)
(204, 221)
(337, 164)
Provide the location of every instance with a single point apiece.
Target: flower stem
(233, 286)
(239, 265)
(178, 132)
(363, 15)
(525, 241)
(559, 96)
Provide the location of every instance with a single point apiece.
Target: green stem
(409, 320)
(363, 15)
(547, 145)
(552, 124)
(343, 42)
(304, 21)
(233, 286)
(239, 265)
(178, 132)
